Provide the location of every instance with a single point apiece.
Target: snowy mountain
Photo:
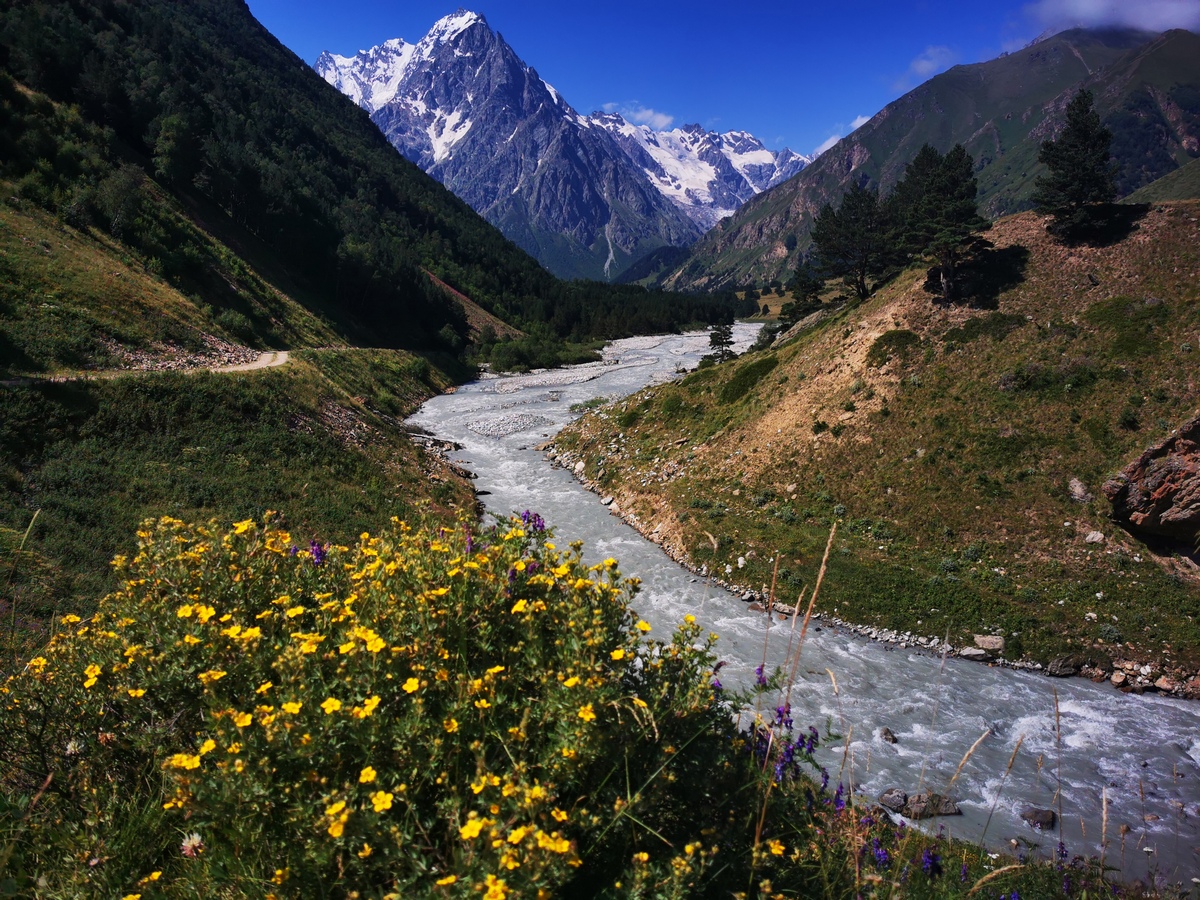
(587, 196)
(706, 174)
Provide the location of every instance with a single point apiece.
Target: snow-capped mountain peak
(706, 174)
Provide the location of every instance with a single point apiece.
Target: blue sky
(794, 75)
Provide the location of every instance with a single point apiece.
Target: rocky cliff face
(466, 109)
(1159, 492)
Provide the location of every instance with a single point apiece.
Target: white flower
(192, 845)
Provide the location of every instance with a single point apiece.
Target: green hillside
(1182, 184)
(1146, 90)
(945, 440)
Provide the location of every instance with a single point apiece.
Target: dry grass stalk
(1012, 759)
(991, 876)
(808, 614)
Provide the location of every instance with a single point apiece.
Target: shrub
(897, 342)
(745, 378)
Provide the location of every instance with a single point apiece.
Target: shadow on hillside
(1113, 225)
(992, 272)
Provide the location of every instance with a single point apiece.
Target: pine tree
(720, 339)
(851, 242)
(1081, 179)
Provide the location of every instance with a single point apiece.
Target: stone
(926, 806)
(992, 643)
(1167, 684)
(1118, 678)
(1079, 491)
(893, 799)
(1191, 690)
(1062, 667)
(1094, 537)
(976, 653)
(579, 467)
(1041, 819)
(885, 734)
(1159, 492)
(607, 501)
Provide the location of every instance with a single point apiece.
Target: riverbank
(1127, 675)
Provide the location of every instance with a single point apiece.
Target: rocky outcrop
(1159, 493)
(926, 806)
(1041, 819)
(893, 799)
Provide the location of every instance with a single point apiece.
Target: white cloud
(929, 62)
(1150, 15)
(826, 144)
(641, 115)
(859, 122)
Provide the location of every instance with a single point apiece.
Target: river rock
(977, 653)
(992, 643)
(893, 799)
(579, 466)
(1119, 678)
(1041, 819)
(885, 734)
(1094, 537)
(1062, 667)
(1159, 492)
(926, 806)
(1191, 690)
(1166, 684)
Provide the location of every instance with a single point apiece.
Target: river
(1141, 753)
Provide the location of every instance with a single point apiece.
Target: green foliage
(996, 325)
(745, 378)
(1135, 325)
(851, 242)
(897, 342)
(720, 339)
(1079, 182)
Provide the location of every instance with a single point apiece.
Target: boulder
(1159, 492)
(1041, 819)
(1166, 684)
(885, 734)
(926, 806)
(1119, 678)
(1191, 690)
(893, 799)
(1094, 537)
(1079, 491)
(1062, 667)
(992, 643)
(977, 653)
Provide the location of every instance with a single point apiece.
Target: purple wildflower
(470, 541)
(760, 677)
(883, 859)
(931, 863)
(962, 876)
(839, 801)
(318, 552)
(824, 779)
(293, 550)
(533, 521)
(716, 684)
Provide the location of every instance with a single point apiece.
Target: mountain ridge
(586, 195)
(1000, 110)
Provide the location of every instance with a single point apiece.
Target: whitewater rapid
(1140, 753)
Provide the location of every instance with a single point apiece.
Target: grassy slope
(1182, 184)
(318, 440)
(948, 468)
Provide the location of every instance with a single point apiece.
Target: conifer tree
(851, 242)
(1080, 180)
(720, 339)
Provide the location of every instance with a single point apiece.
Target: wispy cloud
(1150, 15)
(840, 130)
(641, 115)
(929, 62)
(826, 144)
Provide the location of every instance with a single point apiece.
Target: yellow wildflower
(334, 808)
(211, 675)
(241, 720)
(184, 761)
(482, 704)
(243, 526)
(519, 607)
(382, 801)
(366, 776)
(191, 639)
(571, 682)
(364, 711)
(411, 685)
(294, 611)
(776, 847)
(642, 626)
(449, 879)
(345, 648)
(365, 851)
(207, 747)
(376, 644)
(204, 613)
(264, 687)
(618, 654)
(553, 842)
(185, 611)
(559, 815)
(292, 706)
(518, 834)
(451, 726)
(586, 713)
(252, 634)
(690, 619)
(331, 705)
(232, 631)
(496, 888)
(472, 827)
(136, 692)
(92, 672)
